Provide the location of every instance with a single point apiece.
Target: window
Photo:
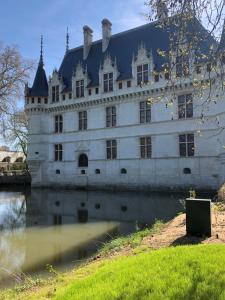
(32, 100)
(108, 82)
(97, 171)
(123, 171)
(57, 172)
(146, 147)
(64, 97)
(89, 92)
(110, 116)
(58, 124)
(186, 144)
(156, 77)
(198, 69)
(145, 112)
(70, 95)
(96, 90)
(209, 67)
(120, 85)
(55, 93)
(39, 100)
(185, 106)
(46, 100)
(128, 83)
(111, 149)
(82, 120)
(187, 171)
(142, 74)
(182, 65)
(27, 100)
(167, 75)
(79, 88)
(83, 161)
(58, 152)
(57, 219)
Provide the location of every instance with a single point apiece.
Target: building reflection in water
(60, 227)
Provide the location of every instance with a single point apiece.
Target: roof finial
(41, 55)
(67, 40)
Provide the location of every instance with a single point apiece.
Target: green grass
(133, 240)
(188, 272)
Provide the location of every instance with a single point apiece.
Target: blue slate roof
(124, 45)
(40, 85)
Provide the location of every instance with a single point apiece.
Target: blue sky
(22, 23)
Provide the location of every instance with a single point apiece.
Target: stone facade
(165, 167)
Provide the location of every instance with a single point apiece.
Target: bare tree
(14, 72)
(16, 131)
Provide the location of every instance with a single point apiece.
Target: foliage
(132, 240)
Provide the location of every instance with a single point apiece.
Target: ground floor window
(58, 152)
(186, 145)
(111, 149)
(146, 147)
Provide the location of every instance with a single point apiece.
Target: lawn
(188, 272)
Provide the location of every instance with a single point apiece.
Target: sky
(23, 22)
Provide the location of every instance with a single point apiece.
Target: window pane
(191, 149)
(182, 138)
(190, 137)
(183, 149)
(148, 116)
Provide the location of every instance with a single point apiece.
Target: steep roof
(124, 46)
(40, 85)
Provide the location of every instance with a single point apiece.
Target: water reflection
(60, 227)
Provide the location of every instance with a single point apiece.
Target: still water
(62, 228)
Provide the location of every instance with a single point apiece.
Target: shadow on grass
(188, 240)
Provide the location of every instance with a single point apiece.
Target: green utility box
(198, 217)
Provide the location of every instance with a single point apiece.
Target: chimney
(87, 40)
(106, 33)
(162, 10)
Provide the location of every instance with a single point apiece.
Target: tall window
(145, 112)
(110, 116)
(58, 152)
(82, 120)
(186, 144)
(58, 124)
(185, 106)
(55, 93)
(111, 149)
(142, 74)
(79, 88)
(182, 65)
(146, 147)
(108, 82)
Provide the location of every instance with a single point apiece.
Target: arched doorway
(83, 161)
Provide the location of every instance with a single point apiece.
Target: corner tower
(36, 101)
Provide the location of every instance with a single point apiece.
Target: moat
(63, 228)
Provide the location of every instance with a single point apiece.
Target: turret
(38, 93)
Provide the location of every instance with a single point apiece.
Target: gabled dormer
(108, 74)
(56, 86)
(142, 66)
(80, 81)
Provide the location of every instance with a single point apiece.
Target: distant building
(9, 158)
(92, 124)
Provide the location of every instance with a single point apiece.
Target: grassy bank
(187, 272)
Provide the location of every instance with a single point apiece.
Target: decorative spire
(41, 63)
(67, 40)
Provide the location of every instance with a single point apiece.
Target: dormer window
(79, 88)
(55, 93)
(108, 82)
(182, 65)
(142, 74)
